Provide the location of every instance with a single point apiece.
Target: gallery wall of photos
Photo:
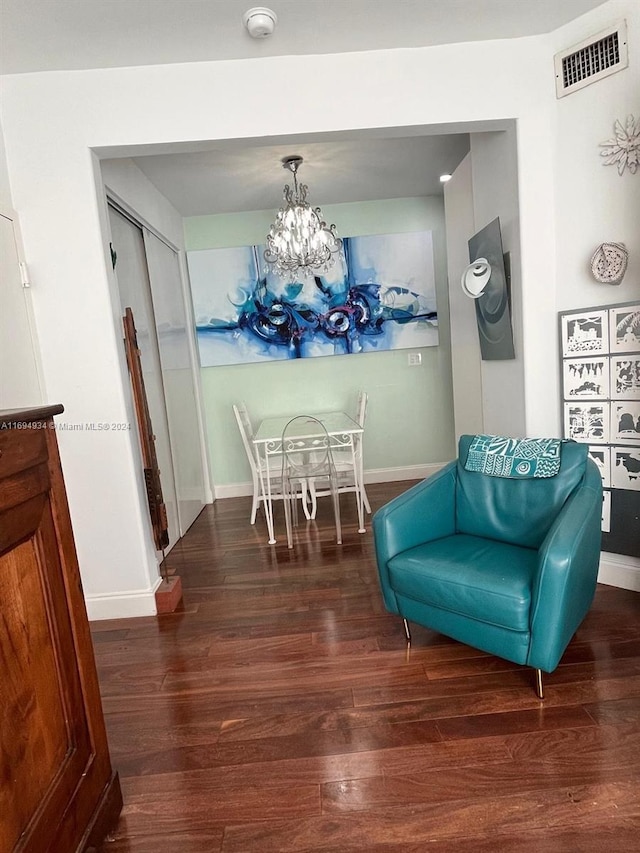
(601, 406)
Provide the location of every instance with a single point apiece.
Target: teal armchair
(505, 565)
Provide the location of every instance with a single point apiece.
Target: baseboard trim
(233, 490)
(407, 472)
(375, 475)
(619, 570)
(122, 605)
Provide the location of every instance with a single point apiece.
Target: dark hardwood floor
(278, 711)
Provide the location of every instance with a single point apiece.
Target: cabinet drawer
(23, 448)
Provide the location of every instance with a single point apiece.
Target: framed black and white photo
(587, 422)
(625, 377)
(625, 468)
(586, 378)
(601, 455)
(585, 333)
(600, 388)
(625, 421)
(624, 328)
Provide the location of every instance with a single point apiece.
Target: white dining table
(343, 432)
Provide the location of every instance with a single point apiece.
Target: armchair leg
(539, 685)
(407, 632)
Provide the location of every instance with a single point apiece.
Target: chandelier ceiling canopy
(299, 242)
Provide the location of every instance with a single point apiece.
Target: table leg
(357, 478)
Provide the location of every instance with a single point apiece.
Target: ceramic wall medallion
(623, 149)
(609, 263)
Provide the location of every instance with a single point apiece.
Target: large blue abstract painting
(379, 295)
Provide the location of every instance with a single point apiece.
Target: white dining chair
(344, 461)
(307, 457)
(246, 431)
(258, 468)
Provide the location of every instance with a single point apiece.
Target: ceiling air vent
(591, 60)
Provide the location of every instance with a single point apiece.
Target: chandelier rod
(292, 164)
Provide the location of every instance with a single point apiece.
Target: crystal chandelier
(299, 242)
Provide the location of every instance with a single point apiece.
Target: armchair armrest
(421, 514)
(568, 569)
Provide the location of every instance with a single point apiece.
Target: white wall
(21, 383)
(466, 362)
(593, 203)
(5, 189)
(57, 189)
(488, 395)
(124, 180)
(21, 378)
(494, 176)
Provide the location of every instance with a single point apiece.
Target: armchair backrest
(518, 511)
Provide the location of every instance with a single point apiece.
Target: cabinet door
(45, 742)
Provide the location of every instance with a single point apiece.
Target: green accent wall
(410, 414)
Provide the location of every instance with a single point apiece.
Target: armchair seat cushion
(482, 579)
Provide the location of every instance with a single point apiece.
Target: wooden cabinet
(58, 793)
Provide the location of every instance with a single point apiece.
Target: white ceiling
(45, 35)
(251, 177)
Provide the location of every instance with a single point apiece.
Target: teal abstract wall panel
(380, 294)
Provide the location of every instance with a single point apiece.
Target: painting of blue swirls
(379, 295)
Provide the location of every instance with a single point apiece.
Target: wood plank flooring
(278, 711)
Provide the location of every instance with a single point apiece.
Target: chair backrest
(246, 431)
(518, 511)
(361, 411)
(306, 448)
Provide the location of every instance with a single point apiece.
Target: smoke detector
(260, 22)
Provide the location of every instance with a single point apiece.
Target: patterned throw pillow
(516, 458)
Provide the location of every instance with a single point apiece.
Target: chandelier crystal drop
(299, 242)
